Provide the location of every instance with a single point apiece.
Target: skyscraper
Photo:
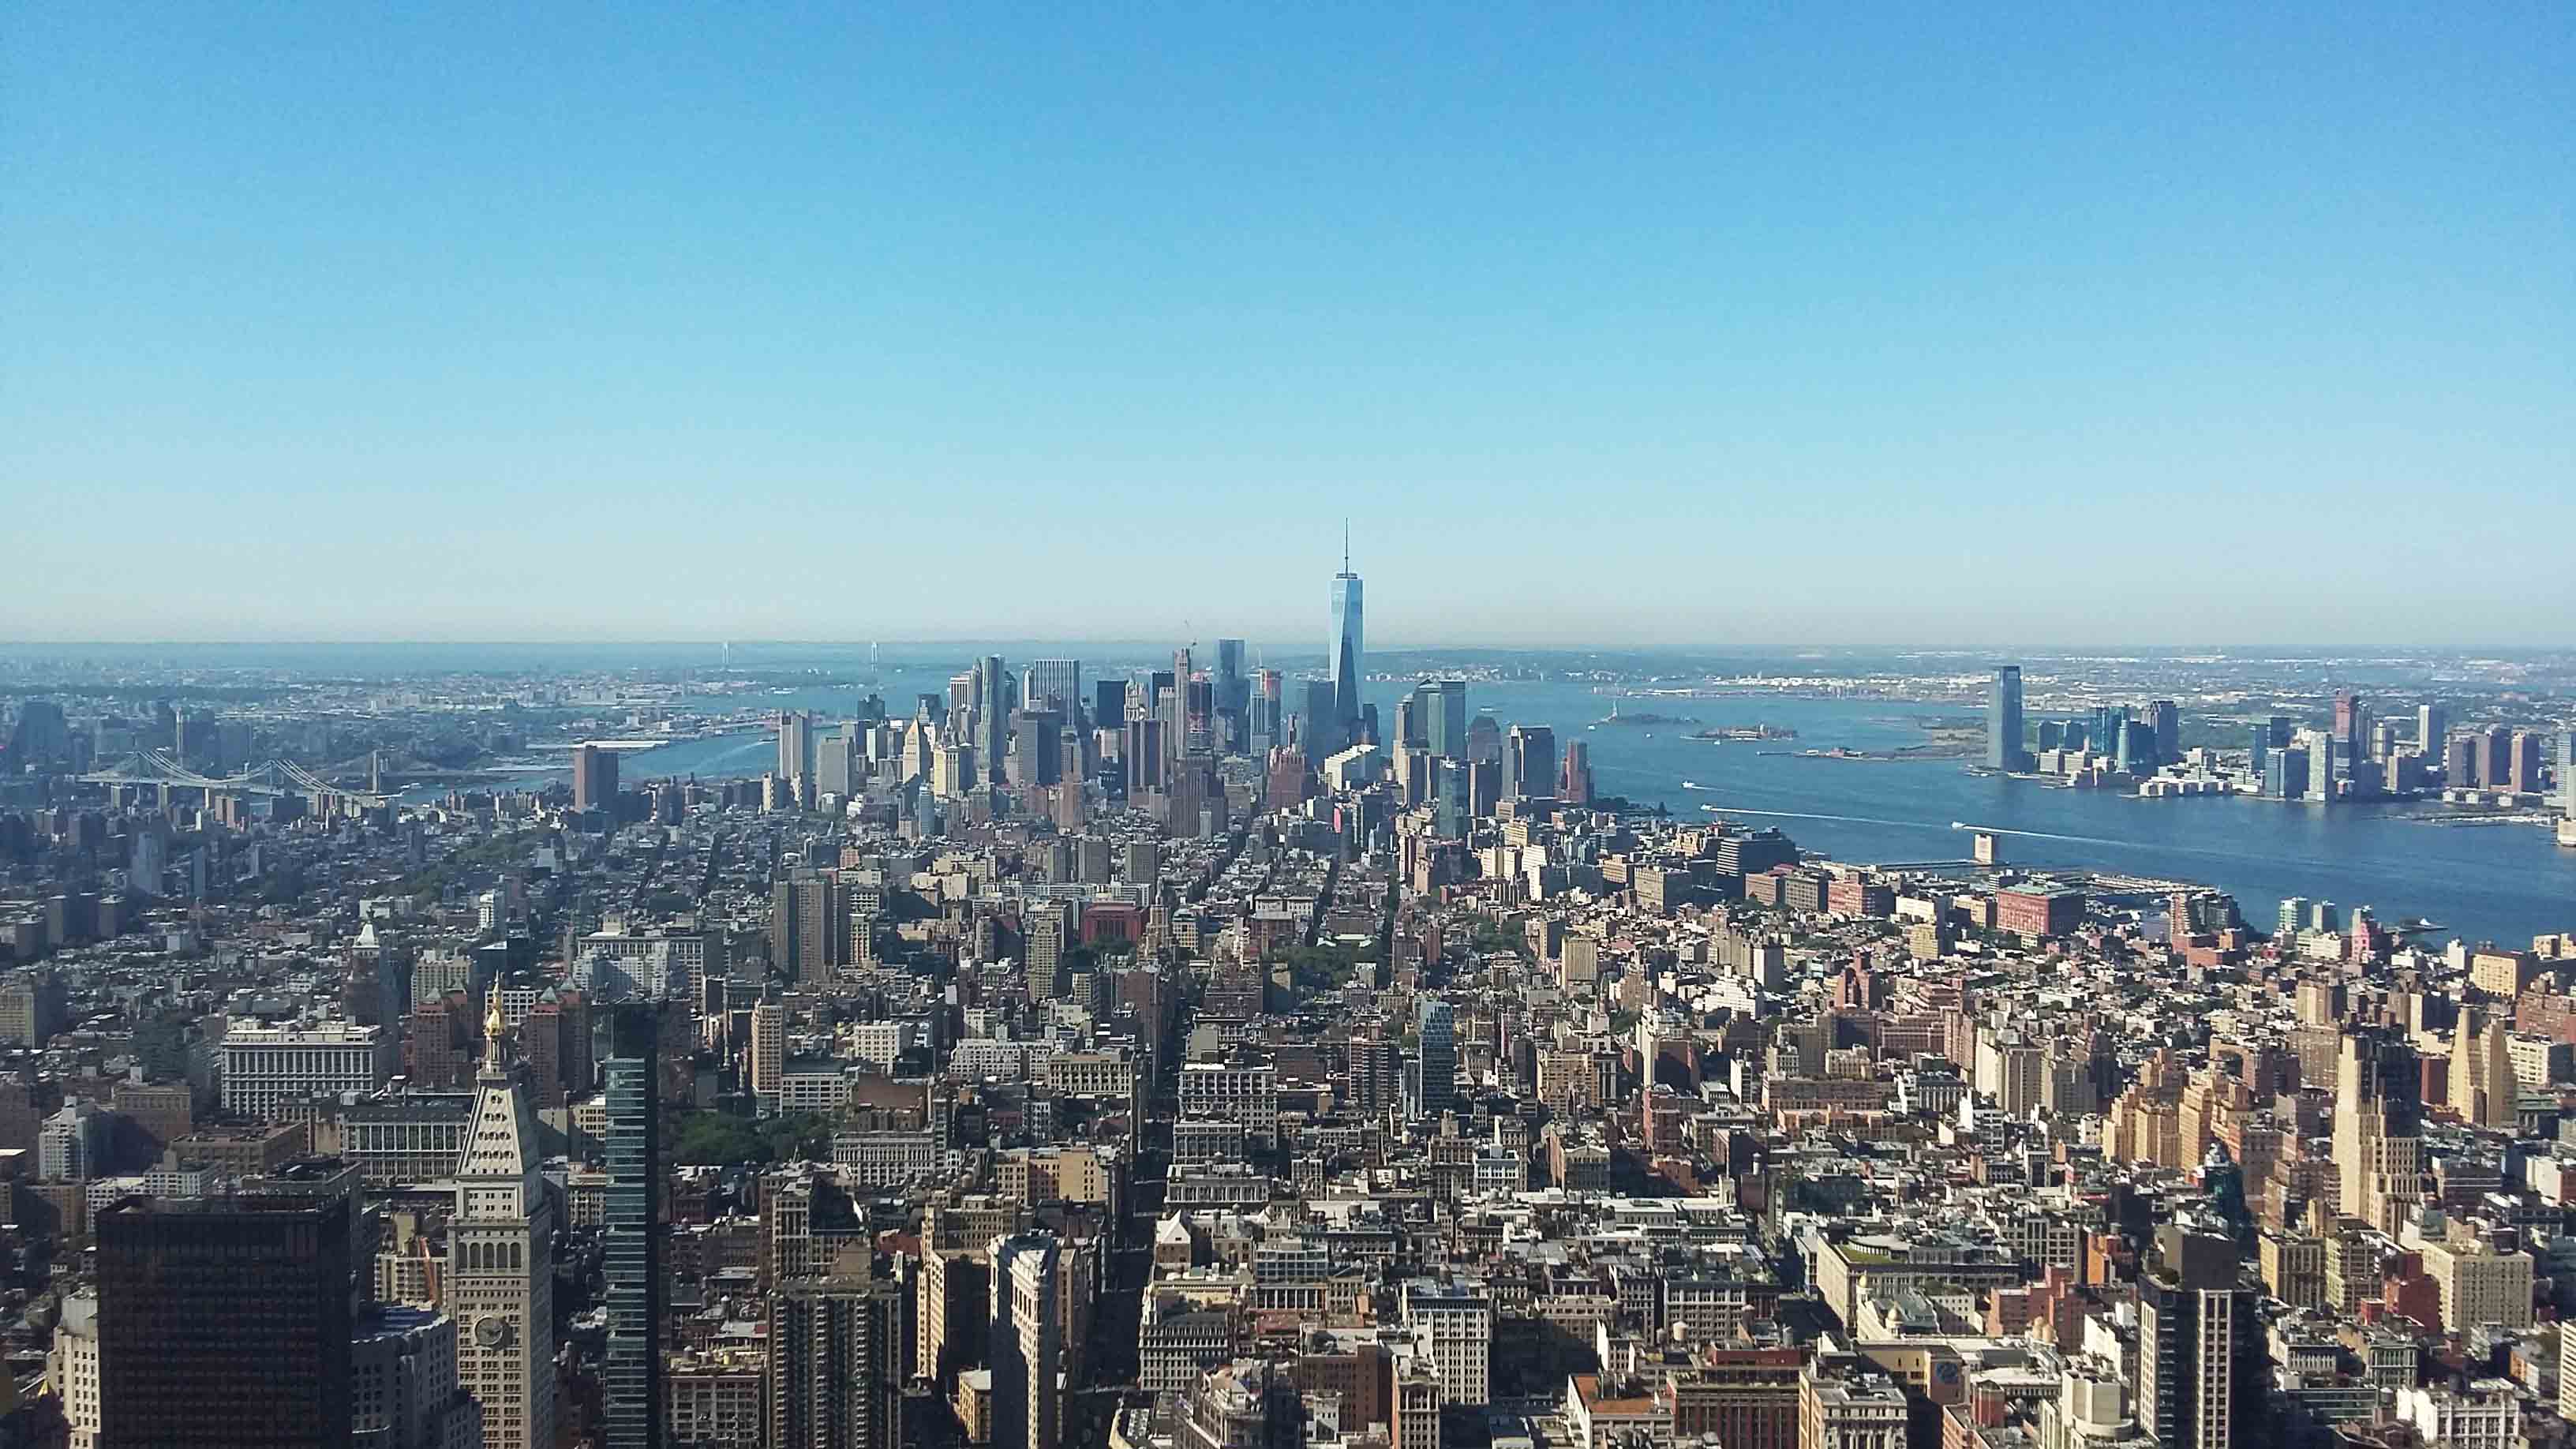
(500, 1276)
(2197, 1381)
(2523, 768)
(795, 744)
(1053, 684)
(1233, 690)
(2378, 1112)
(1262, 722)
(1108, 704)
(2350, 720)
(2495, 757)
(1345, 654)
(1027, 1346)
(2483, 1089)
(2430, 727)
(1529, 761)
(2167, 721)
(2003, 722)
(807, 934)
(993, 703)
(2136, 752)
(594, 777)
(1434, 1064)
(1441, 707)
(631, 1239)
(224, 1322)
(1575, 786)
(1318, 736)
(835, 1364)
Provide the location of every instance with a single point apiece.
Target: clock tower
(500, 1260)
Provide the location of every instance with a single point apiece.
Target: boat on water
(1958, 824)
(1693, 785)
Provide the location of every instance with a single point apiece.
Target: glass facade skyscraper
(631, 1246)
(1346, 653)
(2003, 722)
(1435, 1060)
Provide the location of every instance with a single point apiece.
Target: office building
(2431, 729)
(1345, 656)
(268, 1067)
(1319, 736)
(594, 777)
(2378, 1112)
(2482, 1086)
(1026, 1351)
(1231, 689)
(1049, 932)
(2350, 718)
(2495, 757)
(1574, 786)
(768, 1053)
(2136, 751)
(1037, 749)
(1529, 761)
(840, 760)
(1440, 708)
(403, 1387)
(808, 938)
(836, 1363)
(2460, 761)
(1844, 1405)
(995, 696)
(224, 1322)
(1053, 685)
(2003, 722)
(76, 1143)
(2198, 1383)
(500, 1274)
(2165, 718)
(71, 1369)
(2522, 765)
(795, 745)
(631, 1237)
(1108, 704)
(1454, 1321)
(1433, 1068)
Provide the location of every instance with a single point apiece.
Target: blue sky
(1707, 325)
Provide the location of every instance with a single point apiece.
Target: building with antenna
(1346, 654)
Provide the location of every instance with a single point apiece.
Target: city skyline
(1386, 728)
(1693, 330)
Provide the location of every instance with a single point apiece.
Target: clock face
(492, 1330)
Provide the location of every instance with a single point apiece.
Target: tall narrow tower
(1346, 654)
(2004, 723)
(631, 1240)
(500, 1278)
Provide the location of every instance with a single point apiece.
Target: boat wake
(1812, 815)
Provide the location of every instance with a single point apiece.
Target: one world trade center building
(1346, 650)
